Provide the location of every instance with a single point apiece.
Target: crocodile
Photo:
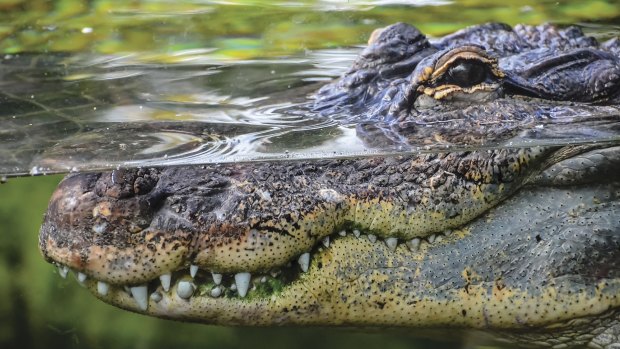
(521, 242)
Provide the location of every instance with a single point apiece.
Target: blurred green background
(255, 28)
(38, 309)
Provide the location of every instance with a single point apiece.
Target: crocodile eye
(457, 76)
(467, 73)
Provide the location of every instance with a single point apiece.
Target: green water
(39, 309)
(243, 29)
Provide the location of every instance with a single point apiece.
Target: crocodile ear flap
(579, 75)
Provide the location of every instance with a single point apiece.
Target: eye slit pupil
(467, 73)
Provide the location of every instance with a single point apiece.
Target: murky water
(83, 112)
(210, 84)
(78, 112)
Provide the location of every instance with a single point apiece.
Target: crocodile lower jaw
(193, 282)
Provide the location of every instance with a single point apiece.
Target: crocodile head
(521, 242)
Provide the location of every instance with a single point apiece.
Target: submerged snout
(99, 224)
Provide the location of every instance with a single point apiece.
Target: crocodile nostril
(144, 184)
(124, 183)
(154, 200)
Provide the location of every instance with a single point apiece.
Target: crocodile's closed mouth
(194, 282)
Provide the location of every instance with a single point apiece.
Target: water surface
(214, 82)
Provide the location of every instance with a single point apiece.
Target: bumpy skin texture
(540, 61)
(520, 242)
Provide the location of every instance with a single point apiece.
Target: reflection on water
(65, 113)
(94, 113)
(101, 84)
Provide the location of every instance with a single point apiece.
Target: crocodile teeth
(185, 289)
(356, 233)
(139, 293)
(304, 261)
(432, 238)
(216, 292)
(193, 269)
(242, 280)
(343, 233)
(413, 244)
(102, 288)
(217, 278)
(325, 241)
(372, 238)
(81, 277)
(165, 281)
(156, 297)
(62, 271)
(391, 243)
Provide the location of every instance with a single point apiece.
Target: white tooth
(414, 244)
(431, 238)
(391, 243)
(193, 269)
(102, 288)
(356, 233)
(156, 297)
(81, 277)
(242, 280)
(216, 292)
(438, 239)
(304, 261)
(372, 238)
(233, 287)
(139, 293)
(62, 271)
(185, 289)
(325, 241)
(343, 233)
(165, 281)
(100, 228)
(275, 272)
(217, 278)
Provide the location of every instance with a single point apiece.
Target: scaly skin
(521, 242)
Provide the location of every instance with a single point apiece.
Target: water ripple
(73, 113)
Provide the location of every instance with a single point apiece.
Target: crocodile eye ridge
(461, 75)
